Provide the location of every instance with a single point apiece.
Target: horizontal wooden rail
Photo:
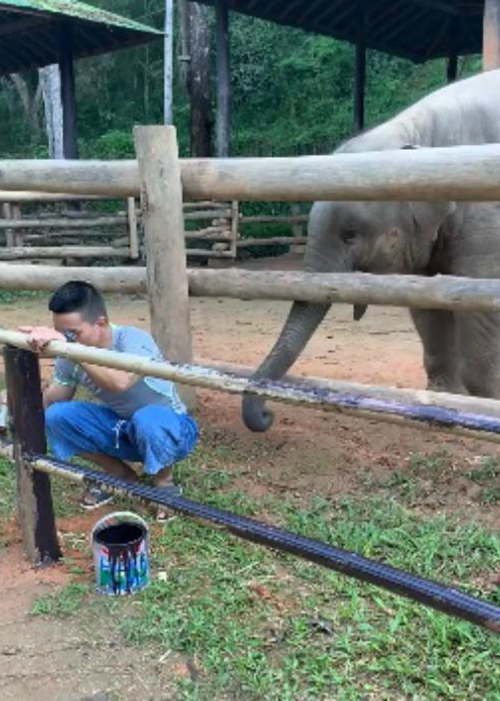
(455, 173)
(62, 223)
(272, 241)
(304, 395)
(439, 292)
(63, 252)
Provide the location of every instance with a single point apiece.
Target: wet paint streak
(433, 415)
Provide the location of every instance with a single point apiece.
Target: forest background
(292, 91)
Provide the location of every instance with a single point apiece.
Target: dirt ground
(306, 452)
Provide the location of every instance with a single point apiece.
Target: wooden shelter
(36, 33)
(418, 30)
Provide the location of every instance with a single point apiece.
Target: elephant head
(378, 237)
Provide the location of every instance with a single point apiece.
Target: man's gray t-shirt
(149, 390)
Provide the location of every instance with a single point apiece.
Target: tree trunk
(199, 81)
(30, 101)
(50, 79)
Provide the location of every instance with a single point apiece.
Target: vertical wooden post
(452, 68)
(36, 513)
(223, 121)
(491, 35)
(68, 96)
(9, 233)
(18, 233)
(297, 229)
(132, 228)
(359, 87)
(168, 66)
(235, 217)
(163, 221)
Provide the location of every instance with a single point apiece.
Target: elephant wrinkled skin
(461, 350)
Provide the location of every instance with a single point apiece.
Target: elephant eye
(348, 236)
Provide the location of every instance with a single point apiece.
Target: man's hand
(40, 336)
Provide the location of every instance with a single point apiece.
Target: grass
(255, 624)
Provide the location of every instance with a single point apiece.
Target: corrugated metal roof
(414, 29)
(29, 36)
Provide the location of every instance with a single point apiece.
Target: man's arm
(57, 393)
(110, 379)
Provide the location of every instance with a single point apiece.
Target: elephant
(461, 351)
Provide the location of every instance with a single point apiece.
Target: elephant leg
(479, 343)
(438, 333)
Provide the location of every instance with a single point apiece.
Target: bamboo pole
(439, 292)
(162, 217)
(466, 173)
(272, 241)
(491, 35)
(469, 424)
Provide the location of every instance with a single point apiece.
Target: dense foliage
(292, 91)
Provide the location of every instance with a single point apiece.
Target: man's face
(77, 329)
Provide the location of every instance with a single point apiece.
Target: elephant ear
(429, 215)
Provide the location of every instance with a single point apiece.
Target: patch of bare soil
(307, 452)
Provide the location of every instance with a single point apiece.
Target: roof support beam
(68, 96)
(223, 119)
(491, 35)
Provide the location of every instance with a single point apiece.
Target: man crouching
(137, 419)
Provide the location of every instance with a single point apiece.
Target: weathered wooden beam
(163, 222)
(466, 173)
(63, 252)
(439, 292)
(223, 116)
(132, 228)
(63, 223)
(271, 241)
(68, 95)
(36, 513)
(491, 35)
(305, 395)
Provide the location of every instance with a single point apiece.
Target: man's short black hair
(77, 296)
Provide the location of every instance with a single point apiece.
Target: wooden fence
(216, 229)
(163, 180)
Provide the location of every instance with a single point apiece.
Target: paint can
(120, 544)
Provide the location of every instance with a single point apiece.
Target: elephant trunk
(300, 325)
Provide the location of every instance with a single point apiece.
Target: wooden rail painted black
(430, 593)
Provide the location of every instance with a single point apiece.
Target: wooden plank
(36, 513)
(62, 222)
(272, 241)
(278, 219)
(132, 228)
(223, 116)
(163, 222)
(491, 35)
(63, 252)
(304, 394)
(465, 173)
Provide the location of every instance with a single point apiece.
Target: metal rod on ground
(36, 513)
(469, 424)
(433, 594)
